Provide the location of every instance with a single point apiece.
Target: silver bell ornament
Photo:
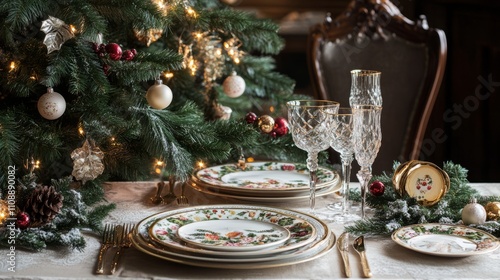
(159, 96)
(473, 213)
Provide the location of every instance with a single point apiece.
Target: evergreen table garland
(391, 211)
(53, 215)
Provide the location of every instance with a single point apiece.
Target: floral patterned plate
(301, 255)
(256, 198)
(265, 177)
(164, 229)
(445, 240)
(321, 245)
(233, 235)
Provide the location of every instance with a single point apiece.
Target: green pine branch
(393, 211)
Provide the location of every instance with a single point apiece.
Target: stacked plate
(233, 236)
(263, 181)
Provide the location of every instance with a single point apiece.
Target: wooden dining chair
(374, 35)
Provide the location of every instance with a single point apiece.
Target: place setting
(233, 236)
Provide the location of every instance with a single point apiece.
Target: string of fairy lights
(203, 53)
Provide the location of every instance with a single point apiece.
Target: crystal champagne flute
(342, 142)
(310, 124)
(367, 140)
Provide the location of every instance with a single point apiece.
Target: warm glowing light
(37, 164)
(13, 66)
(237, 60)
(271, 109)
(198, 35)
(191, 12)
(159, 162)
(81, 131)
(168, 75)
(192, 66)
(157, 170)
(201, 164)
(72, 28)
(250, 159)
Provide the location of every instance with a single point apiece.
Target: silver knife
(343, 247)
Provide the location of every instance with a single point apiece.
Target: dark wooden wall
(465, 125)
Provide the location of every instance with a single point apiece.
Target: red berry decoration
(105, 68)
(250, 118)
(23, 220)
(134, 52)
(377, 188)
(114, 51)
(280, 126)
(128, 55)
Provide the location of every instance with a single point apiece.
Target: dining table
(386, 258)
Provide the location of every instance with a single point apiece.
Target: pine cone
(43, 205)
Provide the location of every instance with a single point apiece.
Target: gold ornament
(265, 123)
(57, 32)
(422, 180)
(148, 36)
(4, 211)
(210, 50)
(493, 211)
(87, 162)
(473, 213)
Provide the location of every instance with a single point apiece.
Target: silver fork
(122, 241)
(182, 200)
(107, 242)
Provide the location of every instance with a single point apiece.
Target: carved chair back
(374, 35)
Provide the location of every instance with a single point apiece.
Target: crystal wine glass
(342, 142)
(367, 140)
(310, 124)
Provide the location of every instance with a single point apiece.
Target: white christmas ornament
(234, 85)
(159, 96)
(51, 105)
(473, 213)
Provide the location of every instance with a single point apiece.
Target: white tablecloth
(387, 259)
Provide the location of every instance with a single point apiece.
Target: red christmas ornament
(250, 117)
(114, 51)
(128, 55)
(280, 126)
(134, 52)
(23, 220)
(377, 188)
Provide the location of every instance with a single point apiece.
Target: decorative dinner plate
(292, 197)
(321, 245)
(322, 248)
(422, 180)
(445, 240)
(263, 177)
(233, 235)
(164, 229)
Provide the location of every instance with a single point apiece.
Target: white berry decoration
(234, 85)
(159, 96)
(51, 105)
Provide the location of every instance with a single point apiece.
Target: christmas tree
(95, 90)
